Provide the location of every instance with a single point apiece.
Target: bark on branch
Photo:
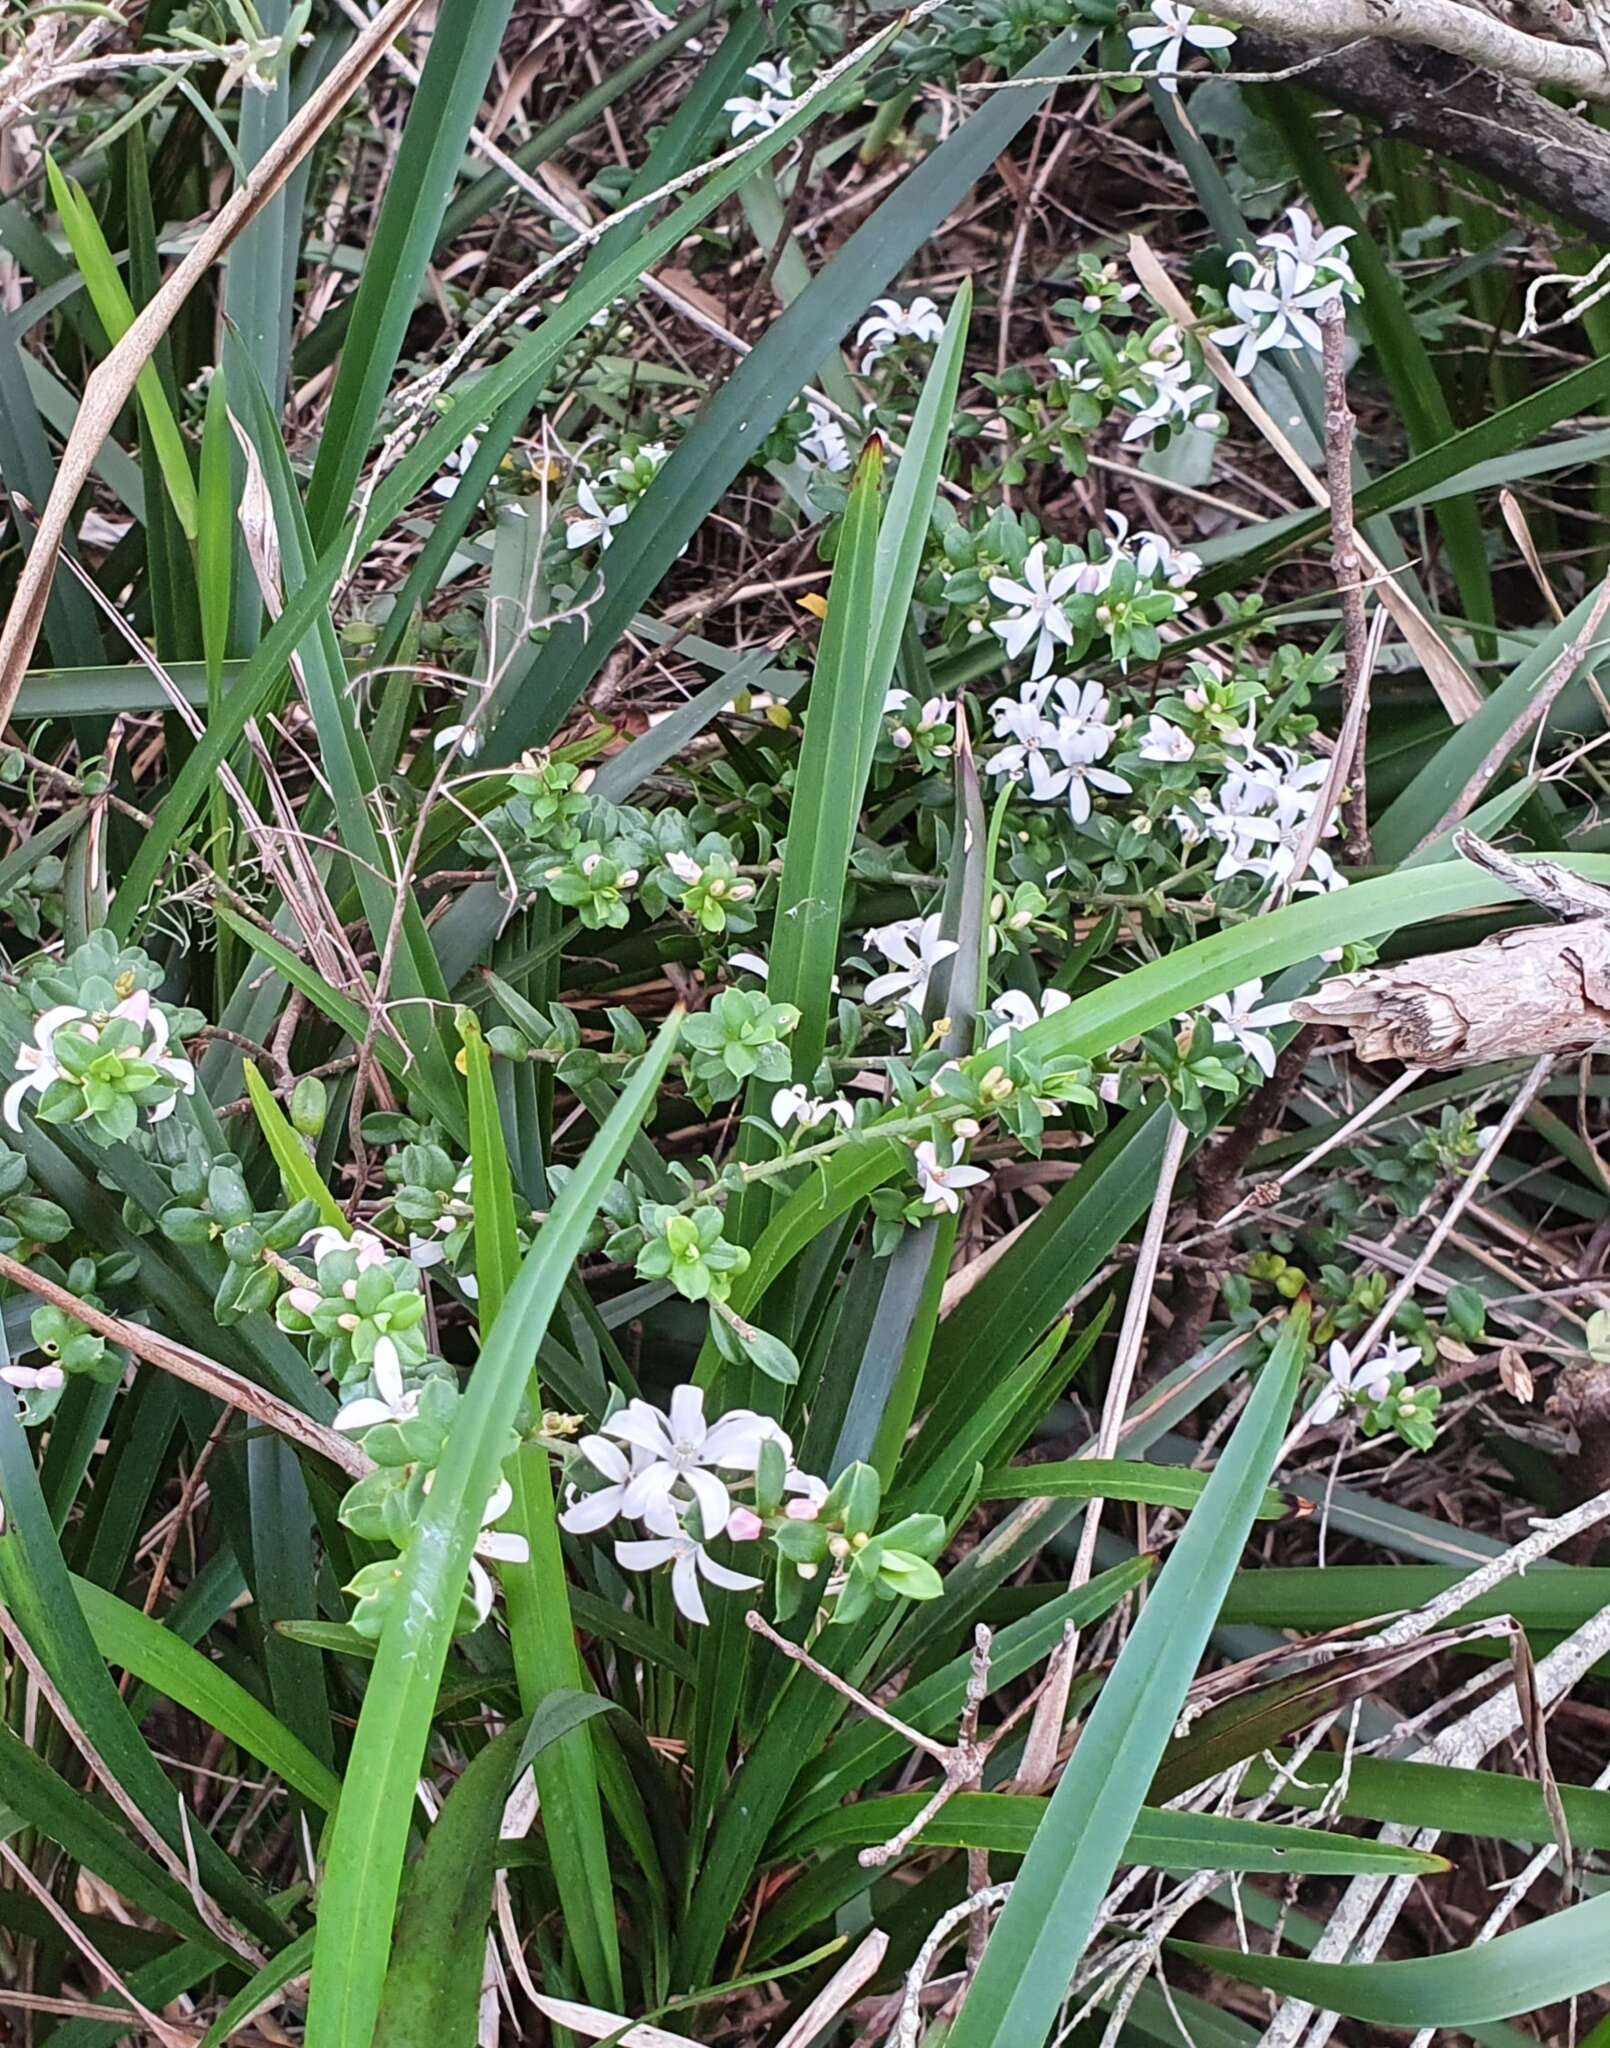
(1437, 25)
(1491, 124)
(1541, 990)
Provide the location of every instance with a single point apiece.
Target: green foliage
(625, 1099)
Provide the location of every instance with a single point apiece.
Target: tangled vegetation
(708, 1333)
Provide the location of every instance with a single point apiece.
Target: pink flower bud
(745, 1526)
(801, 1510)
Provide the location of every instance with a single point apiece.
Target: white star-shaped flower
(890, 322)
(595, 523)
(913, 948)
(690, 1562)
(943, 1179)
(1037, 611)
(1165, 742)
(1368, 1380)
(1246, 1020)
(1161, 43)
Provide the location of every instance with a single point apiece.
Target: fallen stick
(1526, 994)
(221, 1381)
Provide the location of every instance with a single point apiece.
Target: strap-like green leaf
(1036, 1944)
(371, 1826)
(1556, 1958)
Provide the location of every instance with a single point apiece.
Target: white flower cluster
(931, 714)
(595, 521)
(659, 1464)
(825, 442)
(1037, 603)
(1246, 1020)
(1160, 44)
(1366, 1380)
(1259, 816)
(501, 1548)
(426, 1249)
(1174, 395)
(33, 1379)
(798, 1105)
(396, 1398)
(1058, 734)
(913, 948)
(1012, 1010)
(39, 1065)
(446, 485)
(941, 1175)
(1294, 274)
(889, 322)
(773, 103)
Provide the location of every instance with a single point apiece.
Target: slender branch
(111, 384)
(221, 1381)
(926, 1743)
(1339, 426)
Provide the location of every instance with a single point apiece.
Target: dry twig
(111, 383)
(1339, 426)
(221, 1381)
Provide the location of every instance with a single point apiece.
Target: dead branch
(111, 384)
(1447, 25)
(1349, 584)
(1526, 994)
(221, 1381)
(1505, 130)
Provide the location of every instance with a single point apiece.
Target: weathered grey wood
(1517, 996)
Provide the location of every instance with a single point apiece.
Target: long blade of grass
(833, 766)
(1037, 1942)
(433, 1990)
(1136, 1002)
(1556, 1958)
(1160, 1486)
(1009, 1823)
(1454, 1801)
(116, 309)
(428, 161)
(371, 1826)
(300, 1178)
(163, 1661)
(541, 1633)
